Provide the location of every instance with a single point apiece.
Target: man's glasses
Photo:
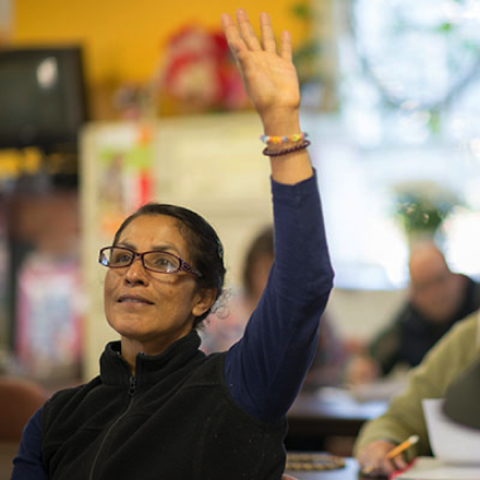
(156, 261)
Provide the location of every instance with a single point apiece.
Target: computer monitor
(42, 96)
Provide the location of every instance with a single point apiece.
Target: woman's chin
(133, 329)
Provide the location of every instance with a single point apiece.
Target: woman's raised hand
(269, 77)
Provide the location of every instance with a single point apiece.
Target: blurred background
(106, 105)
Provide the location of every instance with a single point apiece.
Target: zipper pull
(132, 387)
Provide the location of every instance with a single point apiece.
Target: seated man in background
(226, 325)
(451, 357)
(438, 298)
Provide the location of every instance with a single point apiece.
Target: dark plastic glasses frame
(183, 265)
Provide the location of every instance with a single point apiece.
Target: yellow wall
(123, 39)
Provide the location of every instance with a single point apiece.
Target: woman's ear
(205, 299)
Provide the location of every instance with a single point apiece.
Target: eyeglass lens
(157, 261)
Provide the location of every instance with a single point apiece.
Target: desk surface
(328, 422)
(313, 416)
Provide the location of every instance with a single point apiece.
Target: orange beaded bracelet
(296, 137)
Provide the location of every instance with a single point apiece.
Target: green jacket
(454, 353)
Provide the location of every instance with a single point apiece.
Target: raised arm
(265, 369)
(271, 81)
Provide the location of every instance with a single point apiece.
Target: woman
(161, 408)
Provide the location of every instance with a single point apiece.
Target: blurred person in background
(226, 326)
(442, 372)
(438, 298)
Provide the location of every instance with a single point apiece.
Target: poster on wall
(124, 177)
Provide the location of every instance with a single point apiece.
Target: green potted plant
(422, 207)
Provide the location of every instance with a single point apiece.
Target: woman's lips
(134, 299)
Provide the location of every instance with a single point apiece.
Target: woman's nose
(136, 273)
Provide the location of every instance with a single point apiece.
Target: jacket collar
(114, 370)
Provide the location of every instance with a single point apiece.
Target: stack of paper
(450, 441)
(456, 449)
(429, 468)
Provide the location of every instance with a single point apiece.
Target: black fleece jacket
(109, 428)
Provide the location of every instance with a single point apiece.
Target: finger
(372, 472)
(399, 462)
(227, 22)
(234, 40)
(268, 39)
(387, 466)
(246, 30)
(367, 464)
(367, 469)
(286, 46)
(371, 463)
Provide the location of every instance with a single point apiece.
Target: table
(313, 419)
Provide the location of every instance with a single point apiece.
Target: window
(408, 122)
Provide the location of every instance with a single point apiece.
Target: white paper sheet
(451, 442)
(429, 468)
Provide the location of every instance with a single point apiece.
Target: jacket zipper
(131, 392)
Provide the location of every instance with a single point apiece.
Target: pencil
(403, 446)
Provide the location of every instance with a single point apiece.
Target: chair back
(8, 450)
(19, 400)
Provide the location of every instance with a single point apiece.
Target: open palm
(269, 77)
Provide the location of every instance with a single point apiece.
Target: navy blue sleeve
(27, 465)
(265, 369)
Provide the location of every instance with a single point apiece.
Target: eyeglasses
(156, 261)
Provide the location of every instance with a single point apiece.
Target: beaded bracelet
(277, 153)
(296, 137)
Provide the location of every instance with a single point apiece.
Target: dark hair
(205, 248)
(261, 246)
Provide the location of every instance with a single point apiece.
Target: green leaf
(446, 27)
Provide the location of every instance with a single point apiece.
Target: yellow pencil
(403, 446)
